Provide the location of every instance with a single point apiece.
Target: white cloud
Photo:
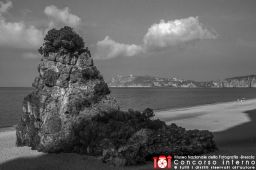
(170, 33)
(62, 15)
(109, 48)
(4, 7)
(25, 36)
(158, 36)
(18, 34)
(31, 55)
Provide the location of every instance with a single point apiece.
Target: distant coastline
(132, 81)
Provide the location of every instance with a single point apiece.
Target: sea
(136, 98)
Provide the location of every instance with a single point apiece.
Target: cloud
(109, 48)
(62, 16)
(31, 55)
(19, 35)
(5, 6)
(171, 33)
(26, 36)
(158, 37)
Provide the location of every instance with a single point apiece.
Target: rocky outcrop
(71, 110)
(69, 88)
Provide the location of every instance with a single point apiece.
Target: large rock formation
(71, 110)
(69, 88)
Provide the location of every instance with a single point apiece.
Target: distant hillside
(242, 81)
(150, 81)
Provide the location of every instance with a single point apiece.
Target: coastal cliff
(150, 81)
(240, 82)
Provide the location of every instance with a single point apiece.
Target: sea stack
(70, 110)
(68, 89)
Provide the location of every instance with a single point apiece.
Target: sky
(196, 39)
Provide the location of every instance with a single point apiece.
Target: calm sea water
(136, 98)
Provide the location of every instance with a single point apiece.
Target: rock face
(71, 110)
(69, 88)
(240, 82)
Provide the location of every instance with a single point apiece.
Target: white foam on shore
(213, 117)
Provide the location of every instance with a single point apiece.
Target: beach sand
(233, 123)
(213, 117)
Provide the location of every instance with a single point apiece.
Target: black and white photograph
(127, 84)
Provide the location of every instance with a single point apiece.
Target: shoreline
(207, 104)
(7, 128)
(214, 117)
(181, 114)
(171, 110)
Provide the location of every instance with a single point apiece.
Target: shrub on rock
(64, 38)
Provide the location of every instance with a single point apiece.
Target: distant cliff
(150, 81)
(243, 81)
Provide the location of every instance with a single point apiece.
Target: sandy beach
(233, 124)
(212, 117)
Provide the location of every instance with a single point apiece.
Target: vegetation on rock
(64, 38)
(118, 126)
(132, 137)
